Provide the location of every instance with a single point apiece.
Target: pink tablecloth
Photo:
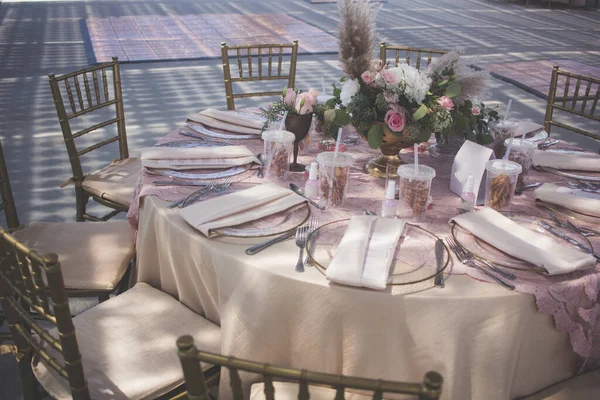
(487, 342)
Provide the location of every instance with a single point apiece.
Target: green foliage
(453, 90)
(375, 136)
(420, 113)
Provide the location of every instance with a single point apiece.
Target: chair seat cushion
(93, 256)
(128, 346)
(289, 390)
(115, 182)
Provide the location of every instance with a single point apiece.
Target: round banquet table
(486, 341)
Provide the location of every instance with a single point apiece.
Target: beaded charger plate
(486, 251)
(414, 260)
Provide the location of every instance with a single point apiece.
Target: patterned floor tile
(139, 38)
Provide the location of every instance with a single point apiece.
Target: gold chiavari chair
(582, 101)
(292, 383)
(113, 185)
(273, 70)
(96, 256)
(120, 349)
(407, 53)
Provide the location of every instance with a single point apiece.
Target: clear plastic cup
(334, 173)
(502, 130)
(414, 187)
(521, 152)
(277, 151)
(500, 183)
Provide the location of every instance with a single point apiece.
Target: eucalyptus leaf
(424, 135)
(337, 91)
(453, 89)
(420, 113)
(375, 136)
(329, 115)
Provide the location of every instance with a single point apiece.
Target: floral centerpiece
(299, 108)
(395, 107)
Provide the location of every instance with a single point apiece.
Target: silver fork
(218, 187)
(313, 225)
(461, 254)
(470, 257)
(301, 242)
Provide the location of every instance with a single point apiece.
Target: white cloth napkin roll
(365, 253)
(196, 157)
(230, 121)
(239, 207)
(525, 244)
(579, 201)
(580, 161)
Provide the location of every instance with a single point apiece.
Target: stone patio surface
(42, 37)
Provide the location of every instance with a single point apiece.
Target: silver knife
(261, 246)
(439, 259)
(564, 237)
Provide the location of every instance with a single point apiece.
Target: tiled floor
(535, 75)
(149, 38)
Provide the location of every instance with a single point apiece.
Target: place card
(470, 160)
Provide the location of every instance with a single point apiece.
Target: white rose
(349, 89)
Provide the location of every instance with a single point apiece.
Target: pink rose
(389, 77)
(446, 102)
(395, 121)
(290, 97)
(304, 103)
(368, 77)
(475, 110)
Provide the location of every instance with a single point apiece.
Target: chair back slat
(268, 390)
(105, 85)
(96, 86)
(34, 270)
(70, 95)
(88, 92)
(250, 68)
(407, 52)
(572, 101)
(8, 201)
(429, 389)
(78, 90)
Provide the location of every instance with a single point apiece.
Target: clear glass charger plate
(414, 260)
(274, 224)
(565, 212)
(488, 252)
(201, 174)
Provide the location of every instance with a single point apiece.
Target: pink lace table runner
(572, 299)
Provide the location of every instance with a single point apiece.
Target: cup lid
(506, 123)
(278, 136)
(423, 172)
(329, 159)
(504, 167)
(522, 146)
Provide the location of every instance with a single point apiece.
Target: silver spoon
(298, 191)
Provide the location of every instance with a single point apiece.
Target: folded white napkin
(239, 207)
(580, 161)
(230, 121)
(527, 127)
(365, 253)
(525, 244)
(576, 200)
(180, 158)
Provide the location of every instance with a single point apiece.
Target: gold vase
(390, 154)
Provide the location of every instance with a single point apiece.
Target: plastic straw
(337, 144)
(282, 123)
(507, 109)
(510, 143)
(416, 151)
(323, 85)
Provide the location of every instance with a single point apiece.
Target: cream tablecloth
(487, 342)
